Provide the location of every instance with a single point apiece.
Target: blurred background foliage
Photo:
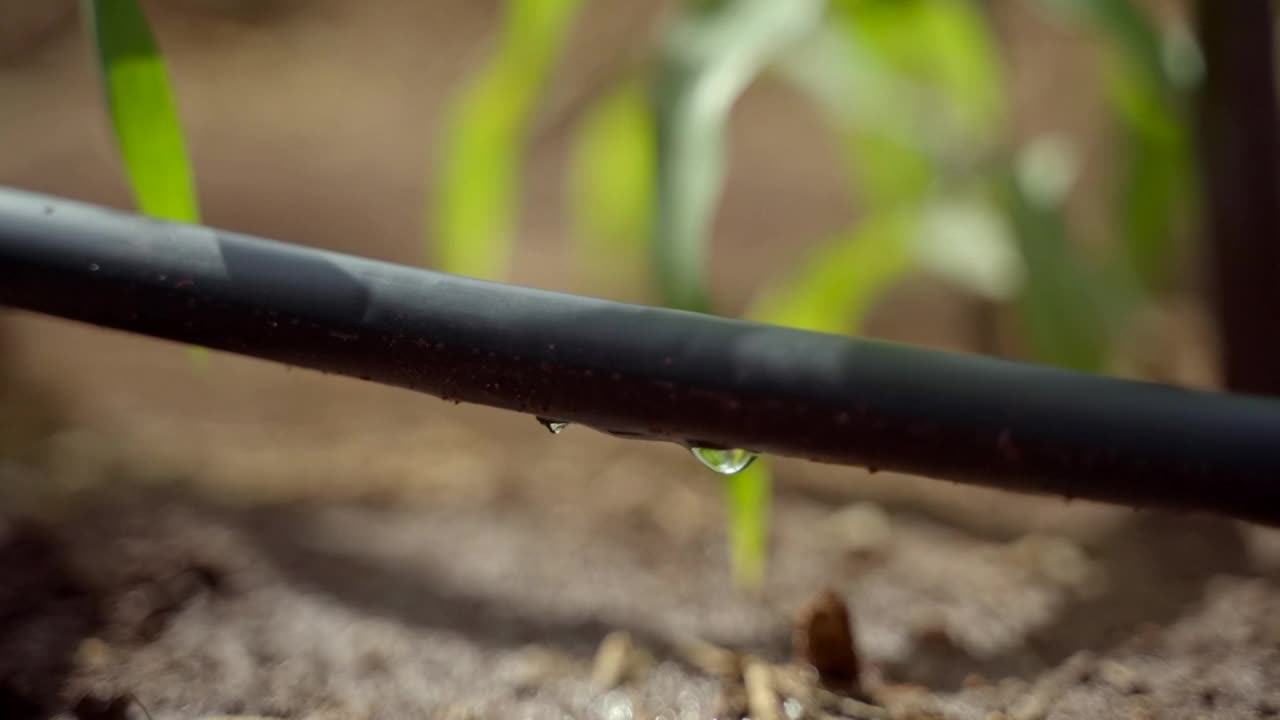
(914, 91)
(915, 94)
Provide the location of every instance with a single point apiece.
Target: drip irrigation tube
(646, 372)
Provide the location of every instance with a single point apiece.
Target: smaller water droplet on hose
(555, 427)
(93, 267)
(724, 461)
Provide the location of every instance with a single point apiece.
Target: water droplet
(726, 462)
(555, 427)
(93, 267)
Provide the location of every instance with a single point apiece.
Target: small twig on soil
(751, 687)
(792, 682)
(823, 639)
(762, 699)
(712, 660)
(612, 661)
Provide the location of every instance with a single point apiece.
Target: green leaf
(144, 117)
(941, 50)
(1156, 193)
(1156, 187)
(143, 113)
(1064, 308)
(888, 169)
(475, 195)
(905, 83)
(748, 496)
(711, 54)
(874, 112)
(612, 180)
(851, 86)
(834, 288)
(1128, 31)
(912, 86)
(832, 291)
(1147, 74)
(966, 239)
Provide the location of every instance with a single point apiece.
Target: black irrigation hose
(648, 372)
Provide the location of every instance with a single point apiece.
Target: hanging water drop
(555, 427)
(724, 461)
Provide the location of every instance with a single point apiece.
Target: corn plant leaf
(1148, 97)
(749, 499)
(1064, 306)
(898, 81)
(846, 81)
(1156, 190)
(940, 51)
(612, 181)
(1126, 28)
(913, 89)
(477, 185)
(966, 239)
(711, 54)
(834, 288)
(143, 113)
(831, 291)
(144, 117)
(1147, 74)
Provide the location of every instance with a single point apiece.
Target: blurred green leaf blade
(939, 52)
(1147, 73)
(914, 88)
(749, 500)
(831, 291)
(1156, 190)
(612, 178)
(1129, 31)
(834, 288)
(477, 185)
(711, 54)
(888, 169)
(1155, 200)
(143, 112)
(144, 117)
(904, 84)
(966, 239)
(1064, 308)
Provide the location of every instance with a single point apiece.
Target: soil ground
(507, 607)
(248, 540)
